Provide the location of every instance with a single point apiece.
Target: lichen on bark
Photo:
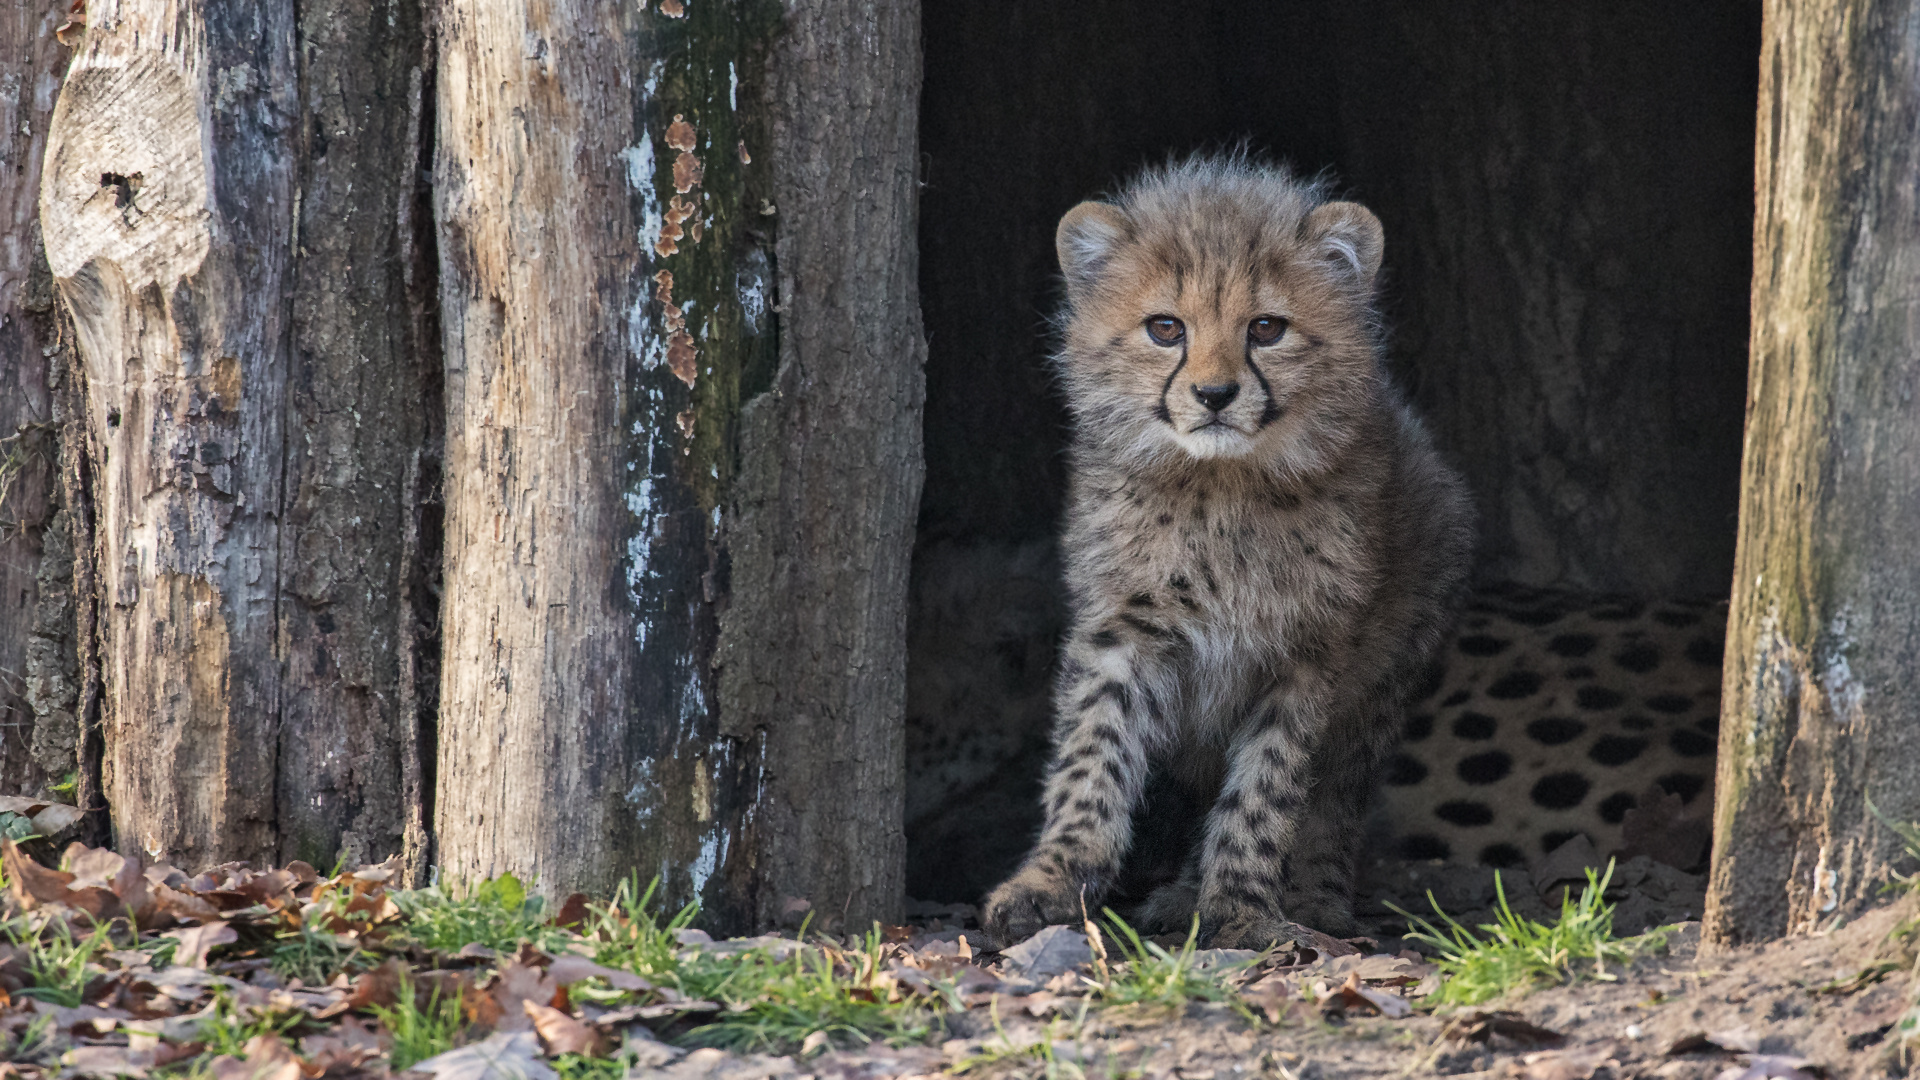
(704, 331)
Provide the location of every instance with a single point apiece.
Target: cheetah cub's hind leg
(1317, 877)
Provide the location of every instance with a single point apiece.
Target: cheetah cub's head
(1219, 309)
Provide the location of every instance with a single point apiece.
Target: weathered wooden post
(228, 205)
(683, 390)
(37, 693)
(1821, 709)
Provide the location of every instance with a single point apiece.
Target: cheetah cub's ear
(1085, 241)
(1348, 237)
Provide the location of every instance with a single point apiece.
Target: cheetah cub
(1262, 551)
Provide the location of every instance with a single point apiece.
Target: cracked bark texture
(227, 199)
(654, 516)
(813, 649)
(357, 614)
(37, 725)
(1821, 713)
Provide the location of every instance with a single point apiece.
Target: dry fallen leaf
(176, 904)
(569, 969)
(33, 886)
(1275, 995)
(1053, 951)
(1565, 867)
(1563, 1064)
(347, 1045)
(180, 1028)
(573, 911)
(48, 818)
(267, 1059)
(68, 32)
(500, 1056)
(1384, 968)
(381, 986)
(517, 983)
(1354, 994)
(197, 941)
(106, 1061)
(1661, 827)
(562, 1034)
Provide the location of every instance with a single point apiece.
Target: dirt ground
(537, 1004)
(1824, 1005)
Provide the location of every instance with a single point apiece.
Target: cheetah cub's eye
(1266, 329)
(1166, 330)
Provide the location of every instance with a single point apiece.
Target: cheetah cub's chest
(1243, 574)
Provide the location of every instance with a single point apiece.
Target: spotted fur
(1555, 715)
(1261, 550)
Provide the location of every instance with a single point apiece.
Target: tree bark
(37, 691)
(357, 613)
(629, 455)
(598, 290)
(1821, 712)
(813, 649)
(226, 199)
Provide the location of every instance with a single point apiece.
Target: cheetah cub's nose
(1217, 397)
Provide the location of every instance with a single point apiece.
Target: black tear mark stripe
(1271, 411)
(1160, 410)
(1142, 625)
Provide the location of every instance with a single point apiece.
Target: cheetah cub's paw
(1257, 932)
(1329, 916)
(1030, 901)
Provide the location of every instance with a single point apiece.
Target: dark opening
(1567, 196)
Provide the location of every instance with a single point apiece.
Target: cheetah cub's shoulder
(1262, 550)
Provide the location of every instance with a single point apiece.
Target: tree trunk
(677, 533)
(1821, 711)
(37, 689)
(624, 455)
(594, 211)
(814, 647)
(358, 615)
(227, 200)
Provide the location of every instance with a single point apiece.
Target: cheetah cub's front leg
(1286, 830)
(1244, 865)
(1094, 781)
